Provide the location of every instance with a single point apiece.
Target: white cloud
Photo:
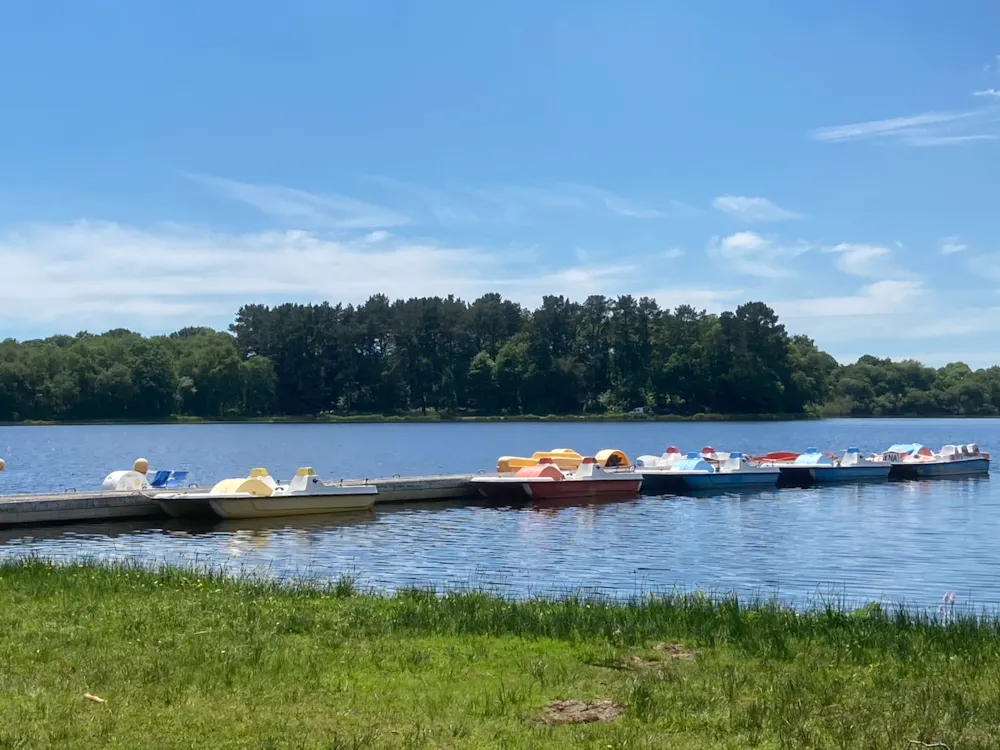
(860, 259)
(57, 272)
(884, 309)
(712, 300)
(751, 254)
(752, 209)
(98, 275)
(672, 253)
(926, 129)
(994, 93)
(952, 245)
(880, 298)
(887, 310)
(305, 208)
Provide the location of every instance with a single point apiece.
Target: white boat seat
(302, 479)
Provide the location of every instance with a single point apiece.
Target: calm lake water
(901, 541)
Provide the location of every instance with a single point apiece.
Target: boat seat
(302, 479)
(588, 468)
(732, 462)
(160, 479)
(177, 479)
(851, 457)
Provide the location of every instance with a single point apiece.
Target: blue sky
(163, 163)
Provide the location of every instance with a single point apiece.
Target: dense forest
(491, 357)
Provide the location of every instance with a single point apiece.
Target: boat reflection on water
(554, 505)
(959, 485)
(708, 493)
(260, 532)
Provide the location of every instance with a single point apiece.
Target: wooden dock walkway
(68, 507)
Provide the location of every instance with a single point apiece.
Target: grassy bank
(185, 660)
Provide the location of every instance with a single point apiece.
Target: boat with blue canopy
(695, 472)
(815, 466)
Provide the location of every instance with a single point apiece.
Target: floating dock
(67, 507)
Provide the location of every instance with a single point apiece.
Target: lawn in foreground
(197, 660)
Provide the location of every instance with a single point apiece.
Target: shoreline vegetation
(430, 417)
(433, 418)
(437, 359)
(122, 656)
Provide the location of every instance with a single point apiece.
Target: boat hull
(833, 474)
(187, 507)
(502, 491)
(666, 482)
(275, 506)
(583, 489)
(931, 469)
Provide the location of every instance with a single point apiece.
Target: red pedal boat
(545, 481)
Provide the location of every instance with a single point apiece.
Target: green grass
(199, 660)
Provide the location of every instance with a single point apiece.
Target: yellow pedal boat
(260, 496)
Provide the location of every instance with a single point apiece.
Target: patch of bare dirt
(667, 652)
(675, 651)
(579, 712)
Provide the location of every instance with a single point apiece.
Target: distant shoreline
(441, 419)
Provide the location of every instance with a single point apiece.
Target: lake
(901, 541)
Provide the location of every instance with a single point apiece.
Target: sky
(163, 163)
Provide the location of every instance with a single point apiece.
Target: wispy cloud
(753, 209)
(672, 253)
(614, 203)
(518, 201)
(952, 245)
(994, 93)
(927, 129)
(753, 255)
(860, 259)
(445, 208)
(302, 207)
(986, 266)
(880, 298)
(948, 140)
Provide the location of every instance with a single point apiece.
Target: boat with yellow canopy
(565, 459)
(260, 496)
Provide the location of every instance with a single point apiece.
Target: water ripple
(900, 542)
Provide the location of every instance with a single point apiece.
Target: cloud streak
(753, 209)
(860, 259)
(302, 207)
(517, 202)
(926, 129)
(952, 245)
(880, 298)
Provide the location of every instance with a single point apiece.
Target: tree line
(445, 356)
